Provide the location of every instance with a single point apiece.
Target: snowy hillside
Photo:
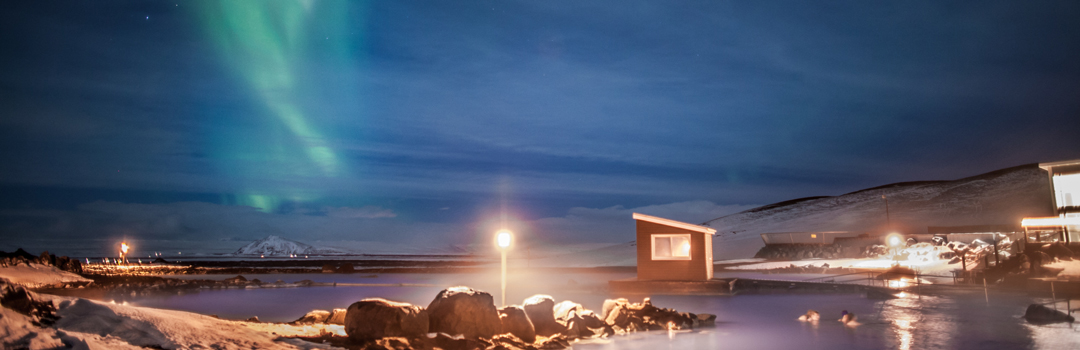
(277, 246)
(1000, 197)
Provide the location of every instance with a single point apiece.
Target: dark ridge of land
(246, 267)
(320, 263)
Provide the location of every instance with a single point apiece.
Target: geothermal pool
(962, 321)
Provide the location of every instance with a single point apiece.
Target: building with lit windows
(1064, 193)
(669, 250)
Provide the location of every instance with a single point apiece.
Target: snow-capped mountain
(999, 197)
(277, 246)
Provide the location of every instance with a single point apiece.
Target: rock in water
(337, 316)
(465, 311)
(376, 318)
(315, 316)
(611, 304)
(516, 322)
(541, 311)
(572, 317)
(1040, 314)
(705, 320)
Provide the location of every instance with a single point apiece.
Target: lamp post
(123, 252)
(503, 239)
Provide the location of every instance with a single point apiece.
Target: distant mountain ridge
(277, 246)
(999, 197)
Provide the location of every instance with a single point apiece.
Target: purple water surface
(961, 321)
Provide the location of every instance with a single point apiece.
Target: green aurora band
(264, 43)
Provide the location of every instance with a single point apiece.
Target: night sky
(438, 121)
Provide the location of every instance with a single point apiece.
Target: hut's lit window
(671, 247)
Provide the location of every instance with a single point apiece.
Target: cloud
(366, 212)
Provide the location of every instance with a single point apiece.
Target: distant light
(123, 248)
(894, 240)
(503, 238)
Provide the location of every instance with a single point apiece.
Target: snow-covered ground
(941, 268)
(36, 275)
(1071, 267)
(87, 324)
(921, 257)
(1000, 197)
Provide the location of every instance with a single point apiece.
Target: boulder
(1040, 314)
(619, 314)
(376, 318)
(705, 320)
(609, 305)
(314, 316)
(516, 322)
(540, 309)
(578, 321)
(337, 316)
(465, 311)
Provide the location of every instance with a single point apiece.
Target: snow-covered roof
(673, 223)
(1062, 167)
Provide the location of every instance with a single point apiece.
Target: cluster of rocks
(20, 256)
(810, 251)
(464, 318)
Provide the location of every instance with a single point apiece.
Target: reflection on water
(743, 321)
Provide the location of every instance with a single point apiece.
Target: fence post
(1053, 295)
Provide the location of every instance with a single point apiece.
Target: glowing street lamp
(895, 241)
(503, 239)
(123, 251)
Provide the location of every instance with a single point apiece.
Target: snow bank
(1071, 267)
(940, 267)
(88, 324)
(17, 331)
(36, 275)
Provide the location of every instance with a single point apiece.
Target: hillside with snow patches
(277, 246)
(999, 197)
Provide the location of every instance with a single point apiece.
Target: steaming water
(963, 321)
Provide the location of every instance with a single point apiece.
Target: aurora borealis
(403, 121)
